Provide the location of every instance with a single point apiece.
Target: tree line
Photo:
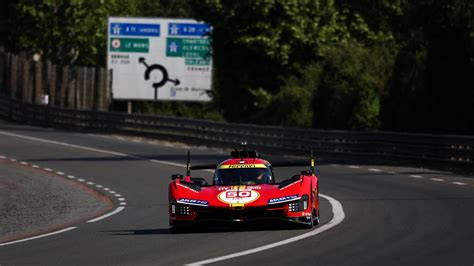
(395, 65)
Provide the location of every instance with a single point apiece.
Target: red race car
(244, 189)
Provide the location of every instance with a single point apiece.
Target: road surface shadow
(203, 228)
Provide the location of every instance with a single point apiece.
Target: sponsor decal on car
(254, 187)
(238, 196)
(283, 199)
(239, 187)
(193, 202)
(239, 166)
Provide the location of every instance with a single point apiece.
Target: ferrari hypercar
(244, 189)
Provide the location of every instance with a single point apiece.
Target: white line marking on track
(64, 144)
(374, 170)
(72, 177)
(23, 163)
(119, 209)
(2, 157)
(337, 207)
(118, 195)
(437, 179)
(35, 166)
(59, 173)
(88, 148)
(416, 176)
(168, 163)
(112, 192)
(106, 188)
(13, 160)
(90, 183)
(40, 236)
(459, 183)
(338, 217)
(354, 167)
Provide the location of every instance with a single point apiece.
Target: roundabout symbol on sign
(164, 75)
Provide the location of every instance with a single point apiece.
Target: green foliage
(353, 80)
(388, 64)
(434, 74)
(291, 106)
(74, 31)
(66, 32)
(257, 44)
(278, 29)
(163, 8)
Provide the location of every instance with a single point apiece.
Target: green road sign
(197, 62)
(188, 48)
(129, 45)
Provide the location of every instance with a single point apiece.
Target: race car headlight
(293, 206)
(180, 209)
(304, 201)
(299, 205)
(183, 209)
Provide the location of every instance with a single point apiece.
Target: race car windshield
(229, 177)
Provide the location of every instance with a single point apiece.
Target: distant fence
(453, 152)
(82, 88)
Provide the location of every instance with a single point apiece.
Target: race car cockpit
(225, 176)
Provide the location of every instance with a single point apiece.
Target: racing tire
(316, 219)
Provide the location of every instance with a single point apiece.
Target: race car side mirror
(176, 176)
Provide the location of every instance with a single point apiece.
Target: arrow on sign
(163, 71)
(141, 60)
(175, 81)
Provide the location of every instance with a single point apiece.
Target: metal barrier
(446, 151)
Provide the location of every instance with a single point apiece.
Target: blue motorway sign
(135, 29)
(188, 29)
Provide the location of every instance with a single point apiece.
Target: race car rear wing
(274, 165)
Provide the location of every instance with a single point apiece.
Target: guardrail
(446, 151)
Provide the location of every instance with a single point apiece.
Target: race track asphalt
(393, 215)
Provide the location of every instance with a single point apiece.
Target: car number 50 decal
(238, 196)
